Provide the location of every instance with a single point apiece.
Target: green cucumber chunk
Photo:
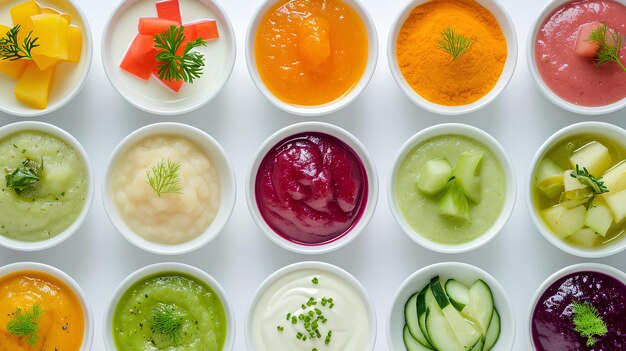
(481, 306)
(441, 335)
(454, 203)
(434, 176)
(466, 173)
(457, 293)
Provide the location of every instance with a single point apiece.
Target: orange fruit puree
(61, 323)
(310, 52)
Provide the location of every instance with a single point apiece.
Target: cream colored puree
(172, 218)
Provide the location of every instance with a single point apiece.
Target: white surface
(240, 118)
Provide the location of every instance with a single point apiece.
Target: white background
(241, 119)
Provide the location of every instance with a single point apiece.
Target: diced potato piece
(13, 69)
(617, 204)
(564, 221)
(53, 34)
(593, 156)
(599, 217)
(584, 237)
(571, 183)
(21, 14)
(584, 46)
(549, 178)
(33, 88)
(615, 178)
(52, 11)
(75, 44)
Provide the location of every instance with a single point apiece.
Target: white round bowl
(370, 173)
(82, 154)
(609, 131)
(580, 267)
(506, 24)
(166, 267)
(320, 266)
(219, 159)
(490, 143)
(71, 283)
(116, 38)
(336, 105)
(465, 274)
(541, 85)
(69, 78)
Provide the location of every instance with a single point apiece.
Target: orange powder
(61, 324)
(431, 72)
(311, 52)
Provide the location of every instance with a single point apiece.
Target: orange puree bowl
(312, 64)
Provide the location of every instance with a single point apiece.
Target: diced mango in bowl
(40, 39)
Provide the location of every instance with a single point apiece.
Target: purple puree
(310, 188)
(552, 324)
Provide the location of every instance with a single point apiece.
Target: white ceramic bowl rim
(81, 81)
(357, 147)
(488, 142)
(541, 85)
(580, 267)
(508, 29)
(71, 283)
(612, 132)
(228, 34)
(168, 267)
(333, 106)
(461, 271)
(67, 138)
(314, 265)
(212, 149)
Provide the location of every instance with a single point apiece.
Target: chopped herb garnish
(11, 50)
(585, 178)
(588, 322)
(315, 280)
(610, 43)
(164, 178)
(166, 320)
(309, 320)
(26, 324)
(454, 44)
(24, 178)
(280, 328)
(172, 67)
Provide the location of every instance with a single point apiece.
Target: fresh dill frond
(166, 320)
(588, 322)
(610, 43)
(585, 178)
(11, 50)
(187, 66)
(26, 323)
(454, 44)
(164, 178)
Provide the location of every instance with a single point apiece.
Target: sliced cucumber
(480, 307)
(493, 332)
(411, 317)
(454, 203)
(457, 293)
(434, 176)
(441, 335)
(423, 303)
(410, 343)
(478, 346)
(466, 173)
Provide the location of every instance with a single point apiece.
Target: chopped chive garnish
(310, 319)
(315, 280)
(280, 328)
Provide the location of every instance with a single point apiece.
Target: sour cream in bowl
(311, 305)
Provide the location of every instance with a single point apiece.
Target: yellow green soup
(43, 186)
(169, 311)
(577, 209)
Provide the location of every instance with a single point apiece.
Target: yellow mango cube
(33, 88)
(75, 44)
(21, 14)
(55, 12)
(12, 69)
(53, 33)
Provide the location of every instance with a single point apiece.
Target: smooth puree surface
(204, 323)
(311, 188)
(348, 319)
(58, 199)
(173, 217)
(61, 325)
(311, 52)
(552, 325)
(421, 212)
(571, 77)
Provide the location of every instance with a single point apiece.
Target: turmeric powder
(431, 71)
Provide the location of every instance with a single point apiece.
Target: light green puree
(55, 202)
(203, 325)
(421, 212)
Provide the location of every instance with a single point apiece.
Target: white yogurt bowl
(488, 142)
(82, 154)
(69, 78)
(151, 96)
(506, 25)
(333, 106)
(70, 283)
(541, 85)
(370, 196)
(305, 271)
(168, 267)
(218, 158)
(616, 135)
(580, 267)
(465, 274)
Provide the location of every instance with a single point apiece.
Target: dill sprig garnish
(11, 50)
(187, 66)
(164, 178)
(609, 42)
(26, 323)
(166, 320)
(588, 322)
(454, 44)
(585, 178)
